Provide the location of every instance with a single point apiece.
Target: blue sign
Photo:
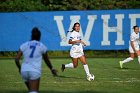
(101, 29)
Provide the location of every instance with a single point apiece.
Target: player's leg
(131, 51)
(25, 76)
(86, 68)
(73, 64)
(127, 60)
(34, 86)
(138, 54)
(34, 80)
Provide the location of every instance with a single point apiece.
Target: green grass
(109, 78)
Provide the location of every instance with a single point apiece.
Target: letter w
(74, 19)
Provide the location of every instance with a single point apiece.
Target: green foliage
(88, 53)
(21, 5)
(47, 5)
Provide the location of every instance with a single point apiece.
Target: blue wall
(101, 30)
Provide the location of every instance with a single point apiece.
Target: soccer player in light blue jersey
(30, 69)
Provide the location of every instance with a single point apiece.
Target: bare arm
(19, 54)
(73, 42)
(83, 43)
(77, 41)
(48, 63)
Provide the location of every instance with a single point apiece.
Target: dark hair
(35, 34)
(134, 27)
(73, 28)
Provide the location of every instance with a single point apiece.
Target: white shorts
(30, 75)
(76, 51)
(76, 54)
(131, 49)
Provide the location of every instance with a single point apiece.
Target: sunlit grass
(109, 78)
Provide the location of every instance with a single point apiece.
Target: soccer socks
(86, 69)
(33, 92)
(70, 65)
(127, 60)
(139, 59)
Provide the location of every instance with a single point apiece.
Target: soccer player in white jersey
(133, 46)
(32, 52)
(76, 51)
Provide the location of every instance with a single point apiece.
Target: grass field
(109, 78)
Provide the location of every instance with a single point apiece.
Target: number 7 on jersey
(32, 52)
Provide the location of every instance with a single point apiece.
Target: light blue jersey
(32, 55)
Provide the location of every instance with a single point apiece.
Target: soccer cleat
(121, 64)
(63, 67)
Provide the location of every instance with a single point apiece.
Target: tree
(47, 5)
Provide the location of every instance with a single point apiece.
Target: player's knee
(84, 63)
(75, 66)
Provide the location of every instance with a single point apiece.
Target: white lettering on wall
(133, 22)
(64, 36)
(117, 29)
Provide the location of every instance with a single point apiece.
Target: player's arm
(19, 54)
(76, 41)
(48, 63)
(83, 43)
(73, 42)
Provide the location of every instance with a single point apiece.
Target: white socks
(33, 92)
(70, 65)
(139, 59)
(130, 59)
(86, 69)
(127, 60)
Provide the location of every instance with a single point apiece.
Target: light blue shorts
(30, 75)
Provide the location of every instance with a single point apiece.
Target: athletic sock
(139, 59)
(86, 69)
(33, 92)
(127, 60)
(70, 65)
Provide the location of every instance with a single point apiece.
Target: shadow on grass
(12, 91)
(59, 76)
(124, 68)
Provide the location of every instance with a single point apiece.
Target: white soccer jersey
(32, 55)
(135, 38)
(77, 48)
